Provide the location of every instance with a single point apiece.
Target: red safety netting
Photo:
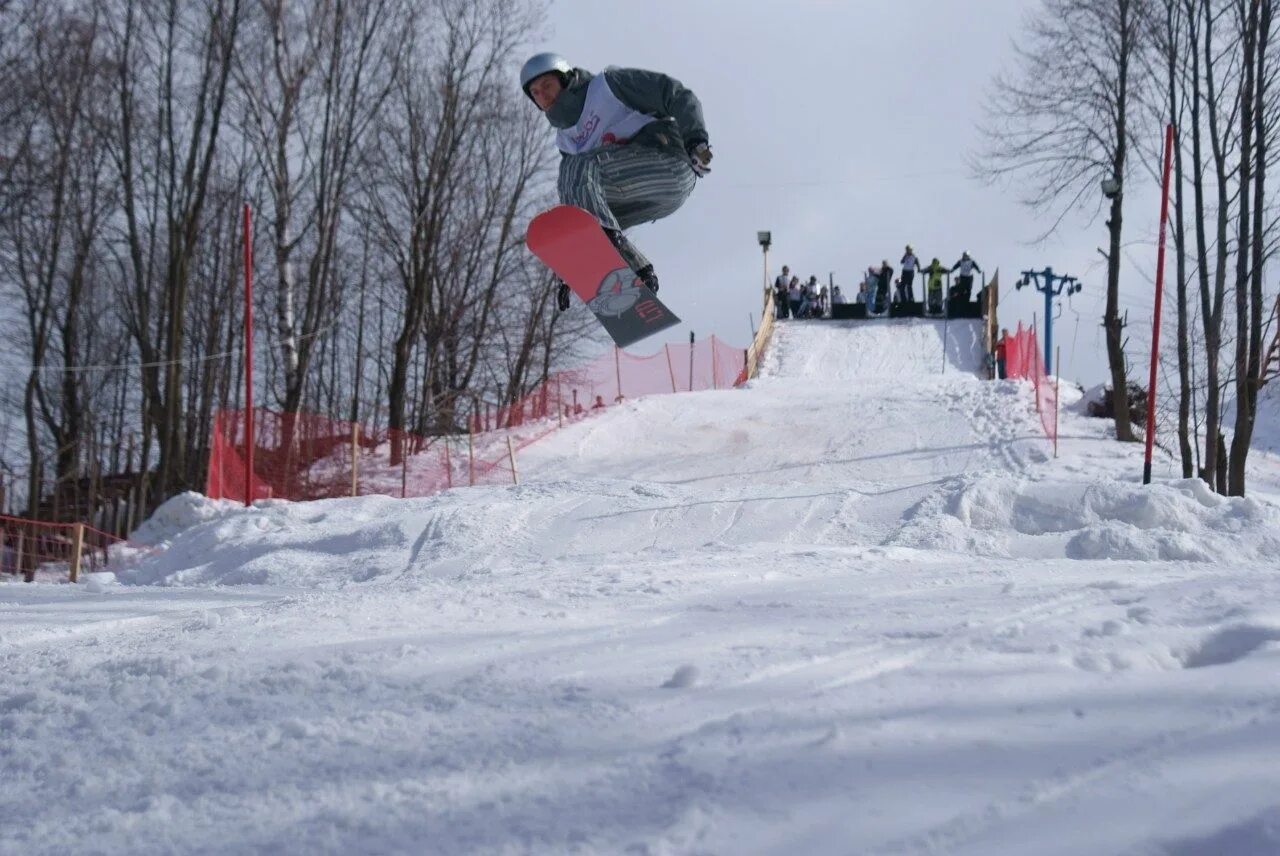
(304, 456)
(38, 549)
(1022, 360)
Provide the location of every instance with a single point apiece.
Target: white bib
(604, 121)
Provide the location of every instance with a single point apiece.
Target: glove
(700, 159)
(562, 297)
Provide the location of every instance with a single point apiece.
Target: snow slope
(855, 607)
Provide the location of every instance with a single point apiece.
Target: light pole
(764, 239)
(1069, 283)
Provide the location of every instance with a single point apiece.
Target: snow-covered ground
(856, 607)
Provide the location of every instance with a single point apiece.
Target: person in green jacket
(933, 286)
(632, 144)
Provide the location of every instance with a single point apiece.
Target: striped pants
(624, 186)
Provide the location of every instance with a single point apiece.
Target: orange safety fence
(1022, 360)
(305, 456)
(31, 548)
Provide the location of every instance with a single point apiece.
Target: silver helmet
(540, 64)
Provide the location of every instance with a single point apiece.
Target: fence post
(471, 459)
(691, 341)
(1057, 385)
(77, 543)
(559, 402)
(448, 463)
(21, 560)
(617, 368)
(355, 458)
(666, 349)
(715, 377)
(404, 469)
(511, 453)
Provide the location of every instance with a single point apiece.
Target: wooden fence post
(511, 453)
(355, 458)
(471, 459)
(29, 576)
(77, 544)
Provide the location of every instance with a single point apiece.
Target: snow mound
(180, 513)
(1005, 515)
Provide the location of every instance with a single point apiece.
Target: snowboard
(570, 241)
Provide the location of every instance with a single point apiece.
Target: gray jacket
(679, 127)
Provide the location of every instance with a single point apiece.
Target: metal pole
(617, 367)
(766, 272)
(248, 355)
(1057, 404)
(1155, 332)
(691, 361)
(946, 318)
(1048, 319)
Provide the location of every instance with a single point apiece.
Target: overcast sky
(843, 126)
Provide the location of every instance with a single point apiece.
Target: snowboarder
(964, 283)
(632, 145)
(882, 293)
(933, 287)
(909, 264)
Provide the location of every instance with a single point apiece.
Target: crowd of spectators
(794, 299)
(878, 288)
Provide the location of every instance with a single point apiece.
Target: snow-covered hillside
(854, 607)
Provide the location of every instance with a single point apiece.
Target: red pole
(1155, 330)
(248, 356)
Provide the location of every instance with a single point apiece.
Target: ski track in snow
(854, 607)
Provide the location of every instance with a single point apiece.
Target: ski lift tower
(1044, 282)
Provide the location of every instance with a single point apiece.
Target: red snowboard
(571, 243)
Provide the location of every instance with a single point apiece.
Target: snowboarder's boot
(648, 277)
(644, 272)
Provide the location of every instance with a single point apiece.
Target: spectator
(862, 293)
(824, 301)
(784, 278)
(599, 403)
(810, 309)
(780, 299)
(933, 287)
(837, 299)
(794, 296)
(1001, 351)
(964, 283)
(886, 278)
(909, 264)
(871, 285)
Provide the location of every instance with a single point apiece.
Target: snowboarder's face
(545, 89)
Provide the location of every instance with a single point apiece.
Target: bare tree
(313, 78)
(173, 62)
(56, 199)
(449, 195)
(1255, 132)
(1061, 124)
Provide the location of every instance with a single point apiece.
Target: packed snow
(857, 606)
